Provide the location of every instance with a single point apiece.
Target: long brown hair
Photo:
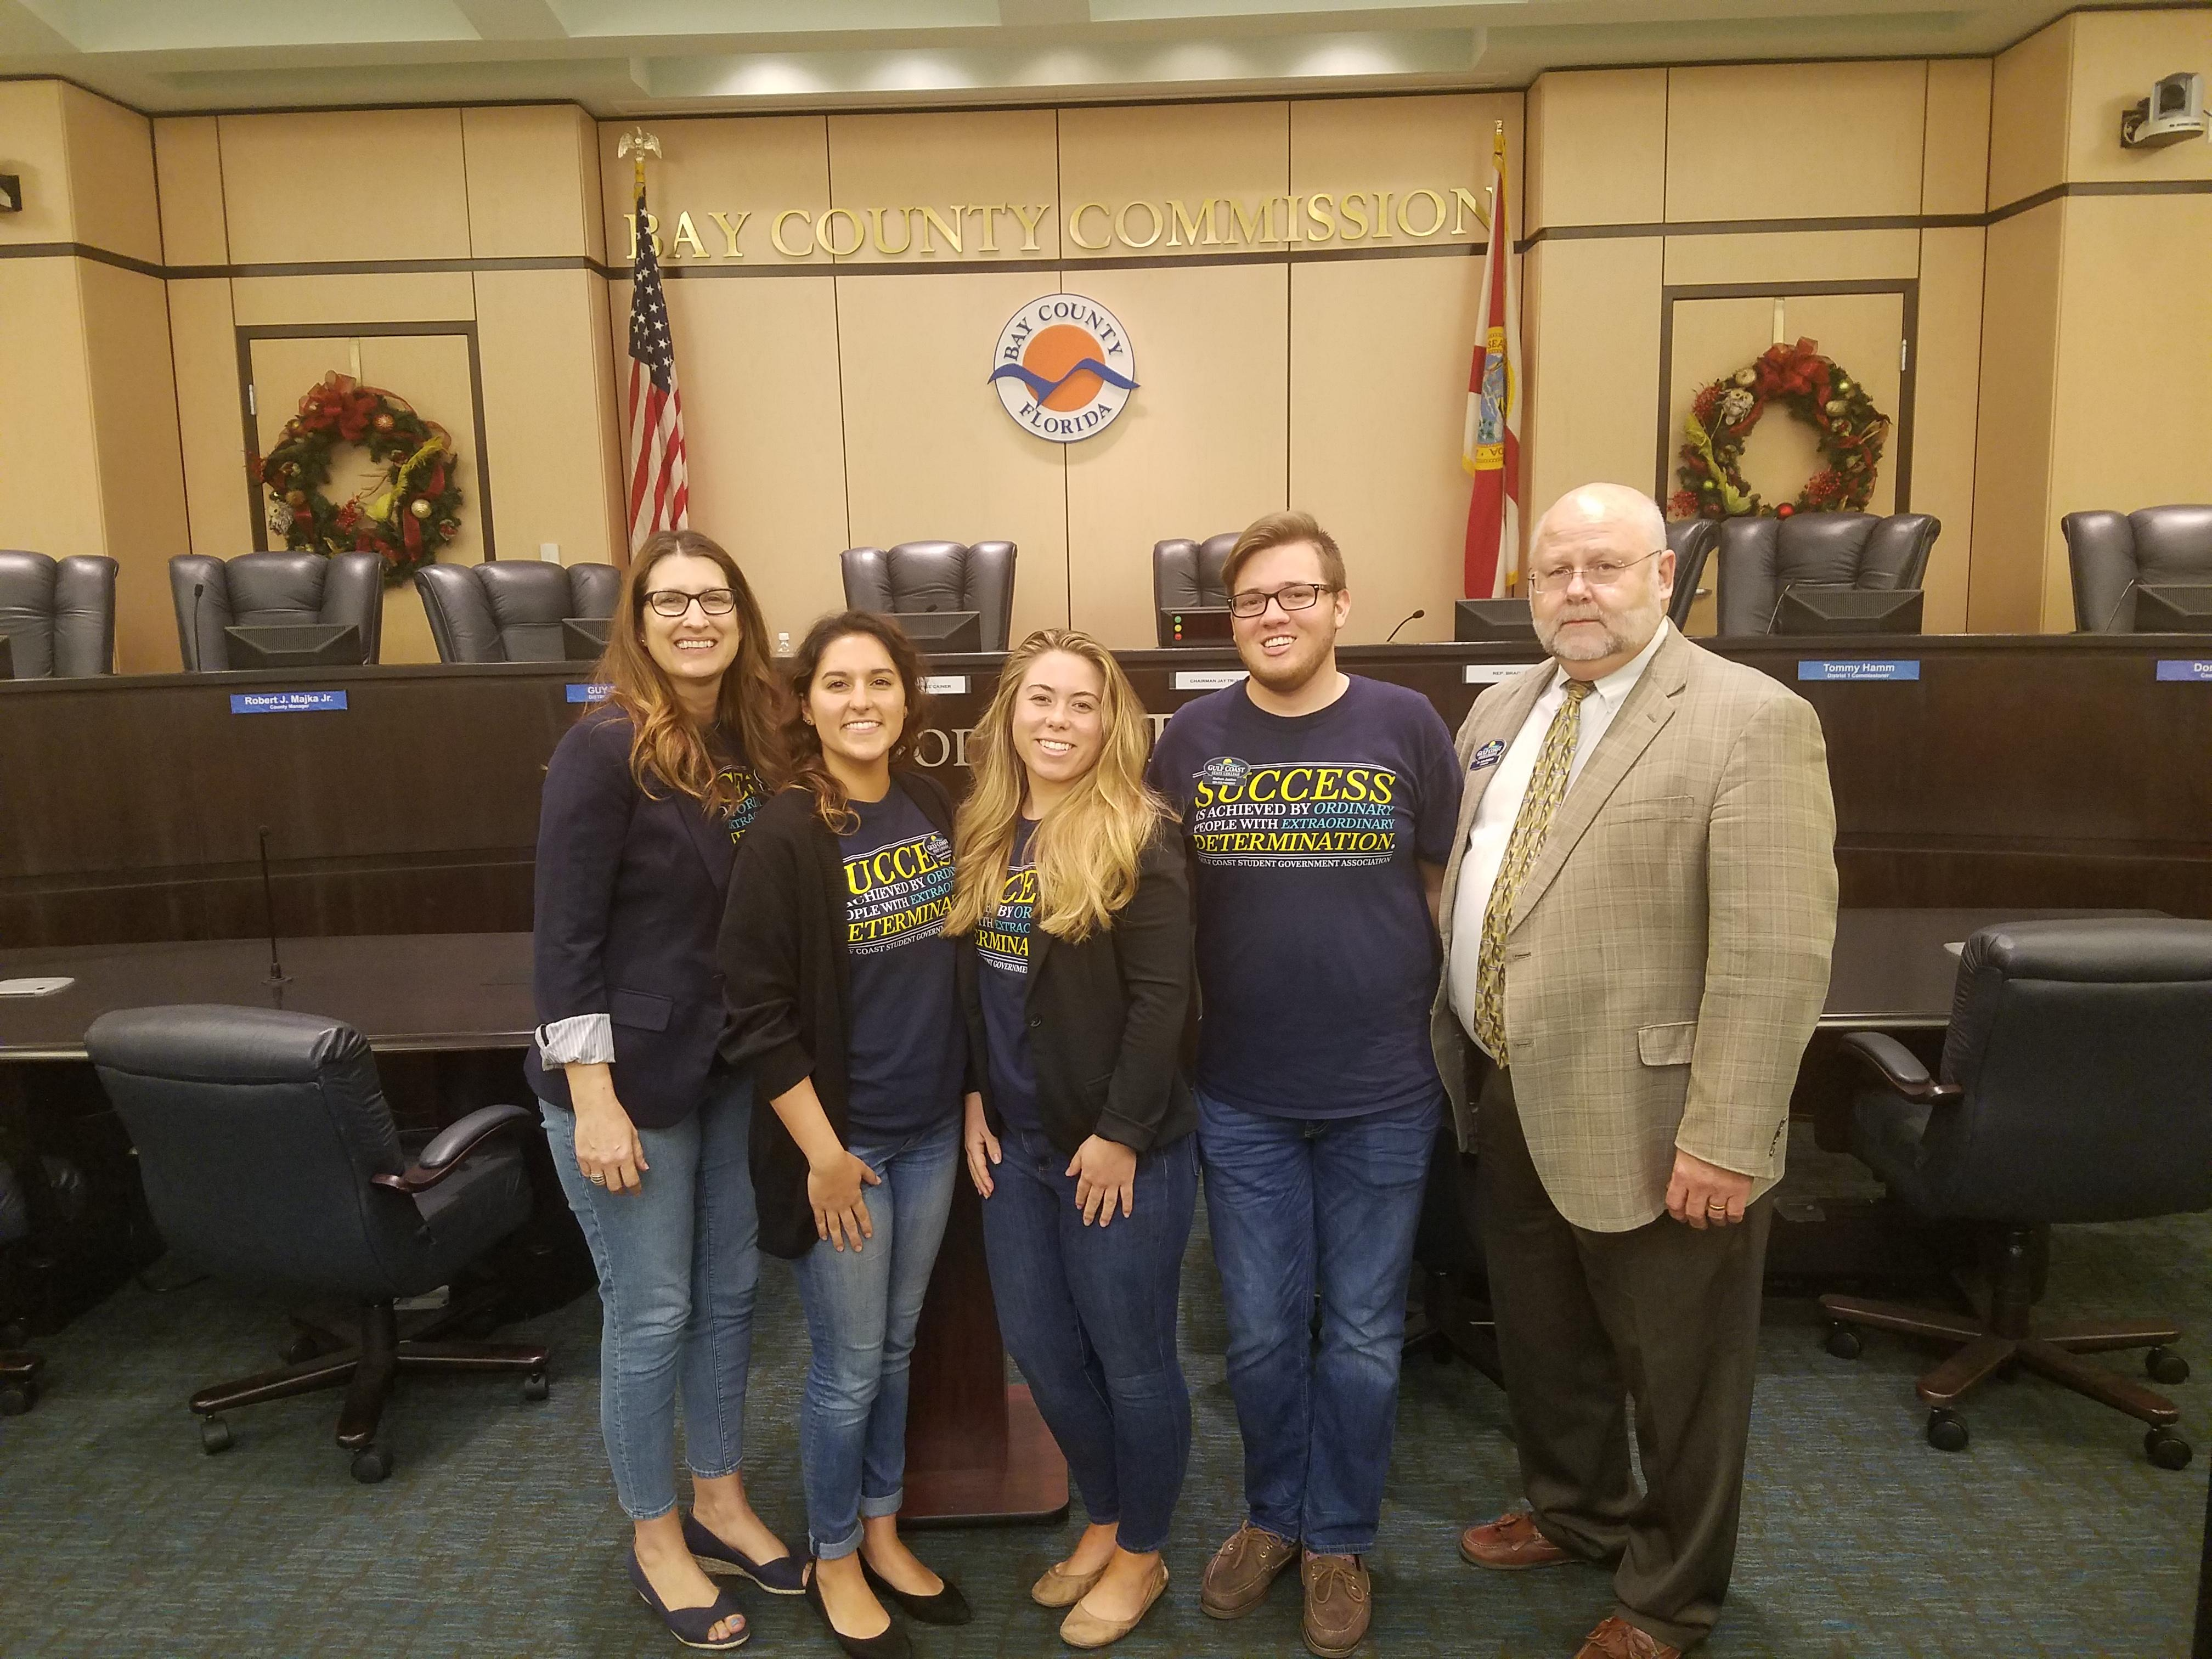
(667, 747)
(1087, 848)
(803, 742)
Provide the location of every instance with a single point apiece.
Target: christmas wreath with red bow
(1851, 434)
(406, 516)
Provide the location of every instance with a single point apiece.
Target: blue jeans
(862, 1307)
(1089, 1313)
(1296, 1205)
(679, 1261)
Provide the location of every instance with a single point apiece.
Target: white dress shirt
(1500, 806)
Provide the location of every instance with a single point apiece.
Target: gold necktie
(1547, 788)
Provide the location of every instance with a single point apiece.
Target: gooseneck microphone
(198, 588)
(1777, 612)
(2113, 616)
(1416, 616)
(277, 975)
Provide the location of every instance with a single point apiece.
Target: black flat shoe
(893, 1643)
(947, 1606)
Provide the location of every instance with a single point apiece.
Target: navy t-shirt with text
(1316, 957)
(1002, 950)
(905, 1051)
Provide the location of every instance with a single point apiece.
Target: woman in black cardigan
(844, 1003)
(1077, 980)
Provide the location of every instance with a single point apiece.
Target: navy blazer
(629, 898)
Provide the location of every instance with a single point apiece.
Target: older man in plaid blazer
(1636, 921)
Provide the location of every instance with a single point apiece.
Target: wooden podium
(977, 1453)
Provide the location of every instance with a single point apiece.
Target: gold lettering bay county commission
(1007, 229)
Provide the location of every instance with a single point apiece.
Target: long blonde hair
(1087, 850)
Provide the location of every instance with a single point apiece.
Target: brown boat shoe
(1340, 1602)
(1510, 1544)
(1237, 1577)
(1616, 1639)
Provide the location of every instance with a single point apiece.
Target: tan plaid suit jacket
(1667, 955)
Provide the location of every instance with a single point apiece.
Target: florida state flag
(1491, 448)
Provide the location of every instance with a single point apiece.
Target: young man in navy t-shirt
(1320, 810)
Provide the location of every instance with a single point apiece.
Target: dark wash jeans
(1298, 1205)
(1089, 1315)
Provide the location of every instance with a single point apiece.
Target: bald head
(1603, 504)
(1600, 575)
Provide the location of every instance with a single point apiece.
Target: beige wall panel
(356, 185)
(1201, 448)
(1740, 146)
(2013, 439)
(1366, 145)
(2134, 399)
(1795, 256)
(2028, 114)
(1956, 173)
(32, 147)
(1170, 152)
(111, 158)
(1378, 409)
(1591, 418)
(990, 159)
(759, 165)
(610, 387)
(205, 352)
(533, 188)
(2116, 56)
(188, 167)
(1597, 147)
(928, 449)
(50, 500)
(542, 412)
(142, 480)
(1945, 383)
(437, 296)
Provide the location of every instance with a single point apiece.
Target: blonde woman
(1074, 902)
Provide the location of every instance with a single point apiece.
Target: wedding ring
(597, 1181)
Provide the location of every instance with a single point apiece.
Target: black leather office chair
(1761, 557)
(511, 609)
(2112, 553)
(58, 614)
(2076, 1085)
(1187, 576)
(19, 1369)
(1692, 541)
(269, 590)
(919, 576)
(269, 1155)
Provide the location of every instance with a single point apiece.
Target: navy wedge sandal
(691, 1625)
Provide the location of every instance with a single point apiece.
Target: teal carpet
(497, 1534)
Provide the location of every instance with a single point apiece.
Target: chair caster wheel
(1843, 1342)
(536, 1385)
(17, 1398)
(371, 1464)
(2167, 1450)
(300, 1349)
(1947, 1429)
(214, 1436)
(2166, 1366)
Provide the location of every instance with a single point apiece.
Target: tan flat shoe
(1087, 1630)
(1063, 1589)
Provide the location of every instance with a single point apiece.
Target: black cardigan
(1113, 1019)
(787, 975)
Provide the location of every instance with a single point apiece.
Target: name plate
(1855, 668)
(2198, 669)
(1493, 673)
(284, 703)
(584, 691)
(1207, 679)
(946, 685)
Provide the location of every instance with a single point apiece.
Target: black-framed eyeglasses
(1292, 596)
(672, 602)
(1603, 572)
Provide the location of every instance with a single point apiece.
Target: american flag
(660, 493)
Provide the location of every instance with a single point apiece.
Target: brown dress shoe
(1237, 1577)
(1340, 1602)
(1616, 1639)
(1510, 1544)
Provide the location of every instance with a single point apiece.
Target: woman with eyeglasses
(645, 800)
(843, 1001)
(1074, 905)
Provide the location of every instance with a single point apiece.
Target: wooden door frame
(248, 333)
(1907, 287)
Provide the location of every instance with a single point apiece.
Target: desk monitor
(309, 645)
(1848, 610)
(584, 639)
(1197, 625)
(2172, 608)
(7, 657)
(1492, 622)
(942, 633)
